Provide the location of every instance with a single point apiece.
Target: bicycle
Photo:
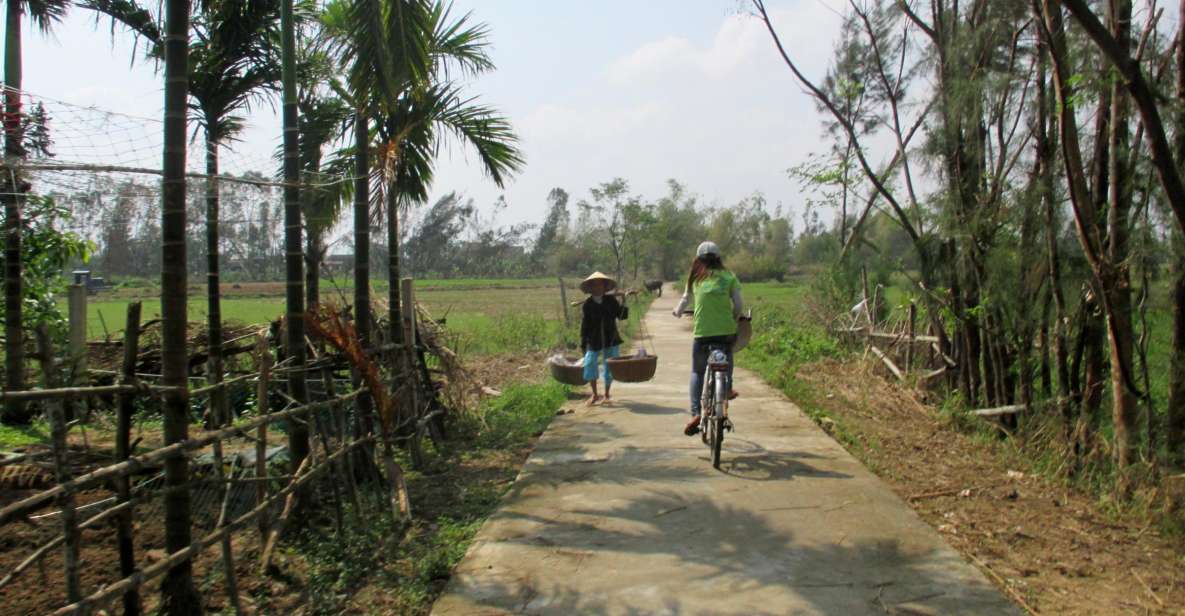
(715, 396)
(714, 421)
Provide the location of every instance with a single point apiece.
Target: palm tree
(231, 66)
(44, 14)
(322, 119)
(424, 109)
(397, 56)
(324, 116)
(179, 596)
(298, 432)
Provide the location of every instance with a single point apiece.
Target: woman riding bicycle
(714, 295)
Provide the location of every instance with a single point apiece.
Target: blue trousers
(699, 363)
(592, 358)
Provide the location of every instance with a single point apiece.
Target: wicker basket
(566, 373)
(633, 369)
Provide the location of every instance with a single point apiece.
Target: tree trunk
(14, 344)
(1175, 436)
(218, 406)
(1117, 286)
(1044, 342)
(362, 318)
(298, 432)
(179, 596)
(1175, 433)
(312, 275)
(394, 315)
(1093, 386)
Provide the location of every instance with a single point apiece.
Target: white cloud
(724, 116)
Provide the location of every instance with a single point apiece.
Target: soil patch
(1046, 545)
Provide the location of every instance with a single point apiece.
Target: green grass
(411, 564)
(20, 436)
(483, 317)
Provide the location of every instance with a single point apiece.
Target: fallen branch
(925, 495)
(999, 410)
(888, 362)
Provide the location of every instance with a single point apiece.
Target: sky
(692, 90)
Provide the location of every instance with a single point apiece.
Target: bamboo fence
(234, 489)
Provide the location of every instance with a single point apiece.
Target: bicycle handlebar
(744, 317)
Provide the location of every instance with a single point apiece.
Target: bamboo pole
(261, 403)
(228, 558)
(913, 317)
(265, 560)
(57, 414)
(123, 436)
(220, 415)
(324, 429)
(11, 512)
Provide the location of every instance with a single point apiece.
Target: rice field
(484, 317)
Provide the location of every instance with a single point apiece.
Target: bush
(750, 268)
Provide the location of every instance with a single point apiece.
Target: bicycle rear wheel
(717, 423)
(707, 402)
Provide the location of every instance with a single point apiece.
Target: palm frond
(485, 130)
(458, 43)
(45, 13)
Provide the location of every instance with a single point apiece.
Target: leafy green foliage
(45, 251)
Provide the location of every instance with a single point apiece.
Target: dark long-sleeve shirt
(598, 327)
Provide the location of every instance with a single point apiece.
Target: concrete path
(616, 512)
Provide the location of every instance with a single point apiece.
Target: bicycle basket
(636, 369)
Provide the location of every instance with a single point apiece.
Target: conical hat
(598, 276)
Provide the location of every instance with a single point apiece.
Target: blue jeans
(699, 363)
(592, 358)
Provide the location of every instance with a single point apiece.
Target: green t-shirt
(713, 304)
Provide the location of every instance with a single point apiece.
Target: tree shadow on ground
(675, 554)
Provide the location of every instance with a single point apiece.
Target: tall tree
(1175, 436)
(1106, 257)
(43, 13)
(421, 107)
(179, 596)
(298, 432)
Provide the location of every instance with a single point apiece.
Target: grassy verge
(379, 567)
(785, 338)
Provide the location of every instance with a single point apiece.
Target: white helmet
(707, 248)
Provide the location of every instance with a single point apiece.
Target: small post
(77, 349)
(264, 359)
(913, 316)
(408, 308)
(59, 430)
(867, 309)
(123, 437)
(564, 303)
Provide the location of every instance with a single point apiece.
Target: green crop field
(483, 317)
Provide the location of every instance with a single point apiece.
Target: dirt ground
(1051, 549)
